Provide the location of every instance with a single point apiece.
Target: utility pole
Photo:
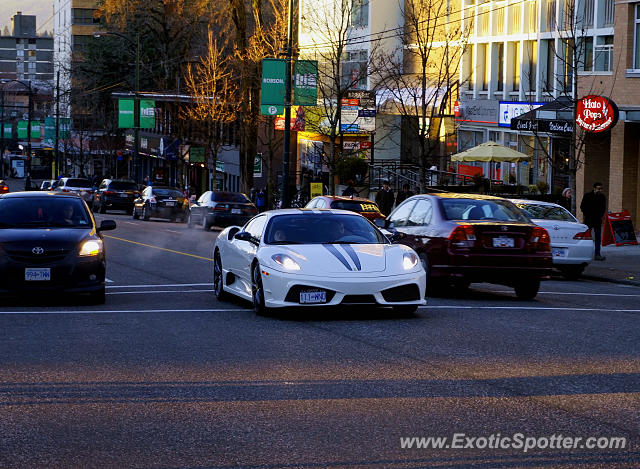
(284, 199)
(136, 115)
(27, 182)
(57, 156)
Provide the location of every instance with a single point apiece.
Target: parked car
(115, 194)
(80, 186)
(51, 244)
(4, 188)
(221, 208)
(467, 238)
(161, 202)
(365, 207)
(48, 184)
(571, 242)
(299, 258)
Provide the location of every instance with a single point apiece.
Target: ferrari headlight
(285, 261)
(92, 247)
(409, 260)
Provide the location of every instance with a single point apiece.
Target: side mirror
(232, 232)
(107, 225)
(244, 236)
(396, 236)
(380, 222)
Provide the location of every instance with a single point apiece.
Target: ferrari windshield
(322, 228)
(43, 212)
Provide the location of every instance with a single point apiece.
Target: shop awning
(491, 152)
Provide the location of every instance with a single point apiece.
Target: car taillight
(66, 190)
(220, 208)
(583, 235)
(108, 192)
(251, 211)
(540, 239)
(462, 236)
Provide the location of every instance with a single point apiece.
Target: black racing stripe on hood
(332, 249)
(352, 254)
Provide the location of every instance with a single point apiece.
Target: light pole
(136, 99)
(284, 198)
(27, 85)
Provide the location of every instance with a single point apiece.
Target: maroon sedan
(466, 238)
(365, 207)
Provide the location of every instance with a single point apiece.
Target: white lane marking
(531, 308)
(174, 231)
(108, 280)
(162, 285)
(138, 292)
(129, 223)
(113, 311)
(567, 293)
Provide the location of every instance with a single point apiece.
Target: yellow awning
(491, 151)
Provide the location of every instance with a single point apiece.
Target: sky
(43, 9)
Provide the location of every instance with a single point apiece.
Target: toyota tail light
(462, 236)
(583, 235)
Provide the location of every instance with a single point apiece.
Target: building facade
(25, 55)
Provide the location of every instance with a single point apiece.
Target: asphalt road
(164, 376)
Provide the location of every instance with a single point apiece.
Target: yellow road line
(161, 249)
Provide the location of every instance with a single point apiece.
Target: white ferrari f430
(307, 257)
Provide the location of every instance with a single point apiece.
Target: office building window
(588, 13)
(587, 60)
(486, 67)
(549, 74)
(531, 63)
(603, 54)
(500, 64)
(550, 14)
(567, 64)
(515, 82)
(360, 13)
(82, 16)
(608, 13)
(354, 69)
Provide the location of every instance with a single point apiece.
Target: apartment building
(613, 157)
(518, 60)
(24, 55)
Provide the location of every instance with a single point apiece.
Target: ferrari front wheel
(258, 292)
(218, 279)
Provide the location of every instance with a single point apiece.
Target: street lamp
(136, 101)
(27, 182)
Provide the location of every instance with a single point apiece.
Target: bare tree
(343, 64)
(420, 79)
(214, 95)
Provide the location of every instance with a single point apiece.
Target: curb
(596, 278)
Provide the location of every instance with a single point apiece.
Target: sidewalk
(622, 264)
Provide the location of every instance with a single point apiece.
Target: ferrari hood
(320, 259)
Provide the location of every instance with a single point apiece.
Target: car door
(242, 253)
(418, 229)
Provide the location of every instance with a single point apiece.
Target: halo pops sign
(596, 113)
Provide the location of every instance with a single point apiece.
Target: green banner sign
(8, 131)
(36, 127)
(22, 129)
(305, 79)
(50, 130)
(196, 155)
(220, 166)
(147, 114)
(125, 113)
(257, 165)
(272, 96)
(64, 128)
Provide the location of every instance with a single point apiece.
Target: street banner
(50, 131)
(64, 128)
(22, 129)
(273, 88)
(257, 166)
(125, 114)
(35, 129)
(147, 114)
(305, 76)
(8, 130)
(196, 155)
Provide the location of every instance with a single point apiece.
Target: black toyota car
(50, 243)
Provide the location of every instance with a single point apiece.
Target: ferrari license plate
(559, 252)
(37, 275)
(313, 297)
(503, 242)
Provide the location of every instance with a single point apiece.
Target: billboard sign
(511, 109)
(358, 111)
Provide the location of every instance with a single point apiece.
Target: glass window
(204, 198)
(123, 186)
(78, 183)
(37, 212)
(546, 212)
(603, 54)
(255, 227)
(636, 42)
(400, 216)
(421, 213)
(480, 209)
(359, 13)
(322, 228)
(167, 192)
(230, 197)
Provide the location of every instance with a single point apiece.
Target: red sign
(596, 113)
(365, 145)
(618, 229)
(456, 109)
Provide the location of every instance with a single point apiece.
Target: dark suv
(114, 194)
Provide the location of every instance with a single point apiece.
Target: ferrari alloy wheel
(258, 292)
(218, 278)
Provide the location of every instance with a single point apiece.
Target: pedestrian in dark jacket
(350, 190)
(385, 199)
(404, 195)
(594, 206)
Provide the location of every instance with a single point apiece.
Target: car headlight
(409, 260)
(92, 247)
(285, 261)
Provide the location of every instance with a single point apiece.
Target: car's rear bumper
(495, 268)
(223, 219)
(167, 212)
(281, 289)
(580, 253)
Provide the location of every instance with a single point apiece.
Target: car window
(123, 186)
(78, 183)
(481, 209)
(167, 192)
(103, 186)
(400, 215)
(421, 213)
(229, 197)
(147, 191)
(312, 204)
(204, 198)
(49, 212)
(547, 212)
(255, 227)
(322, 228)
